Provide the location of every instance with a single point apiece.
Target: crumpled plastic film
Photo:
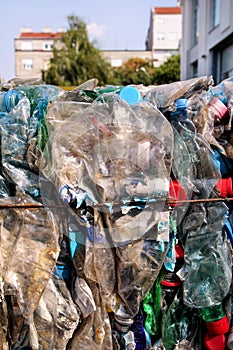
(56, 316)
(138, 266)
(95, 330)
(163, 96)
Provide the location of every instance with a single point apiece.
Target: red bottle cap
(179, 251)
(176, 192)
(218, 327)
(215, 343)
(224, 186)
(170, 283)
(218, 108)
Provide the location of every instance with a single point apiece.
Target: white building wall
(213, 43)
(164, 34)
(167, 32)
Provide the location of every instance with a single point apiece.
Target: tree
(134, 71)
(139, 71)
(76, 59)
(168, 72)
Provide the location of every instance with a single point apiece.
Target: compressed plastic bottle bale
(118, 154)
(207, 256)
(14, 136)
(39, 97)
(104, 157)
(29, 249)
(203, 161)
(24, 134)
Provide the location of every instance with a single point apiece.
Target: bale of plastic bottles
(116, 216)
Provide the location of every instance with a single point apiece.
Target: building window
(48, 46)
(160, 36)
(27, 64)
(195, 22)
(26, 46)
(227, 62)
(116, 62)
(195, 69)
(215, 13)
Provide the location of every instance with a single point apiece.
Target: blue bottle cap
(130, 94)
(62, 271)
(181, 103)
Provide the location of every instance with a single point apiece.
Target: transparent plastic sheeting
(98, 233)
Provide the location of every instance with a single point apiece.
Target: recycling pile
(116, 216)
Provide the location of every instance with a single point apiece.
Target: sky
(115, 25)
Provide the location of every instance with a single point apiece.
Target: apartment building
(164, 33)
(207, 39)
(33, 51)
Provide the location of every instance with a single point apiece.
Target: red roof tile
(34, 35)
(167, 10)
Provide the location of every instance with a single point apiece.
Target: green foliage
(76, 59)
(134, 71)
(139, 71)
(168, 72)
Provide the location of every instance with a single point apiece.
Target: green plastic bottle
(212, 313)
(217, 324)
